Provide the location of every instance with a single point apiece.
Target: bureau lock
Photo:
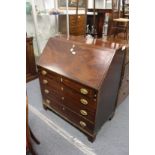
(45, 81)
(83, 112)
(83, 101)
(84, 91)
(83, 124)
(44, 72)
(46, 91)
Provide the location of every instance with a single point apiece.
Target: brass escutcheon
(84, 91)
(45, 81)
(83, 101)
(61, 79)
(83, 124)
(44, 72)
(83, 112)
(46, 91)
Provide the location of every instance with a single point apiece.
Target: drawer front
(44, 73)
(48, 92)
(67, 91)
(71, 102)
(80, 19)
(85, 101)
(81, 105)
(79, 109)
(83, 90)
(50, 83)
(75, 96)
(69, 115)
(77, 30)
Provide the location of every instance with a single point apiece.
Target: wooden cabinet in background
(31, 72)
(76, 24)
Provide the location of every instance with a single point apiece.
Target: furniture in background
(29, 134)
(80, 82)
(118, 23)
(92, 19)
(76, 28)
(72, 4)
(124, 87)
(31, 72)
(125, 8)
(99, 19)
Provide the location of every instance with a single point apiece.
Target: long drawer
(50, 77)
(61, 89)
(70, 102)
(68, 114)
(65, 92)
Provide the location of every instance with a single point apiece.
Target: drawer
(69, 115)
(78, 29)
(72, 19)
(79, 26)
(48, 92)
(80, 104)
(73, 95)
(44, 73)
(83, 90)
(56, 79)
(78, 120)
(89, 114)
(80, 99)
(50, 83)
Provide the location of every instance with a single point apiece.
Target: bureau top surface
(88, 65)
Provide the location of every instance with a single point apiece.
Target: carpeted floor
(57, 137)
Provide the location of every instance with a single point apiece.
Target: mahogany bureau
(80, 82)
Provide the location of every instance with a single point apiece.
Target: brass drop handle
(46, 91)
(84, 91)
(44, 72)
(83, 112)
(48, 101)
(83, 124)
(45, 81)
(83, 101)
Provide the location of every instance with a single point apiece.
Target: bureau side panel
(108, 92)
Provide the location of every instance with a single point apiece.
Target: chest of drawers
(80, 82)
(76, 24)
